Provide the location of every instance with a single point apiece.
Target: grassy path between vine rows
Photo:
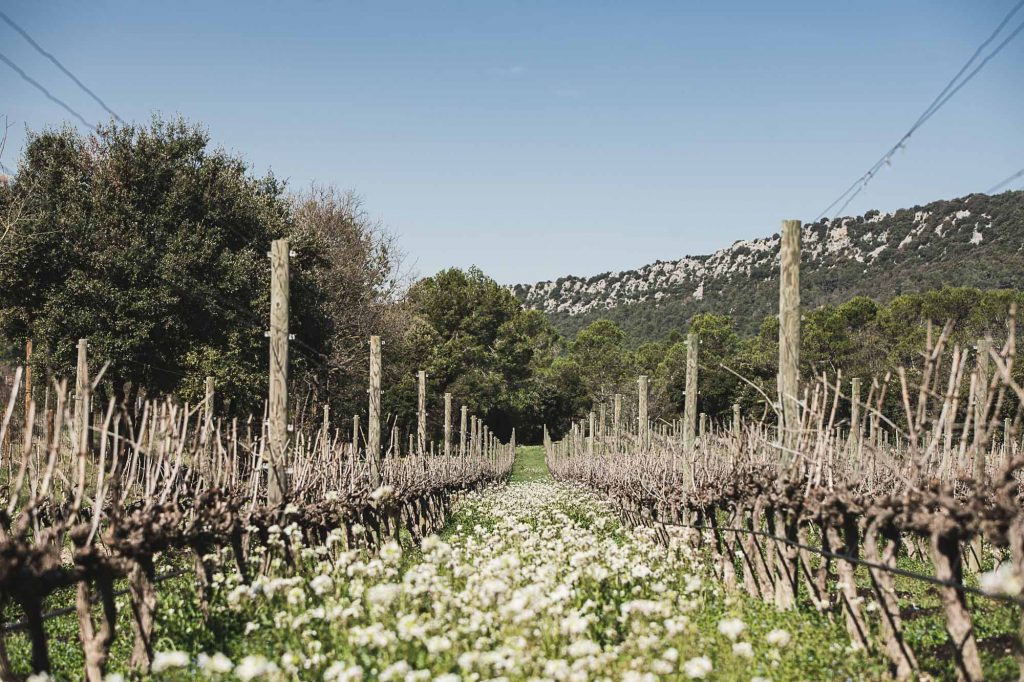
(530, 581)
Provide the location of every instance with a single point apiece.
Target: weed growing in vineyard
(531, 581)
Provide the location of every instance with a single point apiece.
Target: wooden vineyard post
(789, 338)
(82, 398)
(736, 426)
(980, 444)
(1007, 440)
(447, 424)
(617, 420)
(600, 427)
(690, 404)
(421, 413)
(855, 425)
(472, 435)
(593, 435)
(28, 387)
(641, 420)
(355, 435)
(277, 484)
(373, 418)
(208, 417)
(325, 432)
(981, 411)
(464, 416)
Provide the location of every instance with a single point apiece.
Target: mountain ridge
(974, 240)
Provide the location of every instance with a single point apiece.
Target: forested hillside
(975, 241)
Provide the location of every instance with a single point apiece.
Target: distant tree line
(152, 244)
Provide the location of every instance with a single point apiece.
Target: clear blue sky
(537, 139)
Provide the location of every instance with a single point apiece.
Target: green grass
(530, 465)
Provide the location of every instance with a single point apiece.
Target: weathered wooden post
(325, 432)
(28, 387)
(643, 426)
(690, 403)
(789, 337)
(464, 416)
(736, 426)
(208, 412)
(355, 435)
(277, 484)
(207, 432)
(373, 418)
(593, 435)
(617, 419)
(447, 424)
(1007, 440)
(473, 428)
(855, 426)
(980, 445)
(421, 413)
(981, 411)
(82, 389)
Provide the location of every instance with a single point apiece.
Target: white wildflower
(778, 638)
(342, 672)
(583, 648)
(391, 552)
(381, 493)
(165, 660)
(640, 571)
(743, 649)
(383, 594)
(1002, 580)
(731, 627)
(321, 585)
(253, 667)
(698, 668)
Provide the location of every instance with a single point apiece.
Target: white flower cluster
(536, 582)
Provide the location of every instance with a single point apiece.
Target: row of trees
(860, 338)
(153, 244)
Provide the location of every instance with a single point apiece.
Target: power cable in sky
(56, 62)
(952, 87)
(25, 77)
(998, 186)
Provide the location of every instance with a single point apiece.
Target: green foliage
(152, 244)
(600, 352)
(123, 231)
(858, 338)
(477, 342)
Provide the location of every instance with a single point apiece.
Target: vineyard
(160, 538)
(802, 511)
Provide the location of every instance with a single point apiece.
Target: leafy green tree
(151, 244)
(352, 264)
(717, 386)
(601, 353)
(490, 353)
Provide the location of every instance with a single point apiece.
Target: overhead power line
(952, 87)
(56, 62)
(25, 77)
(998, 186)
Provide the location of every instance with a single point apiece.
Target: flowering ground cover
(532, 581)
